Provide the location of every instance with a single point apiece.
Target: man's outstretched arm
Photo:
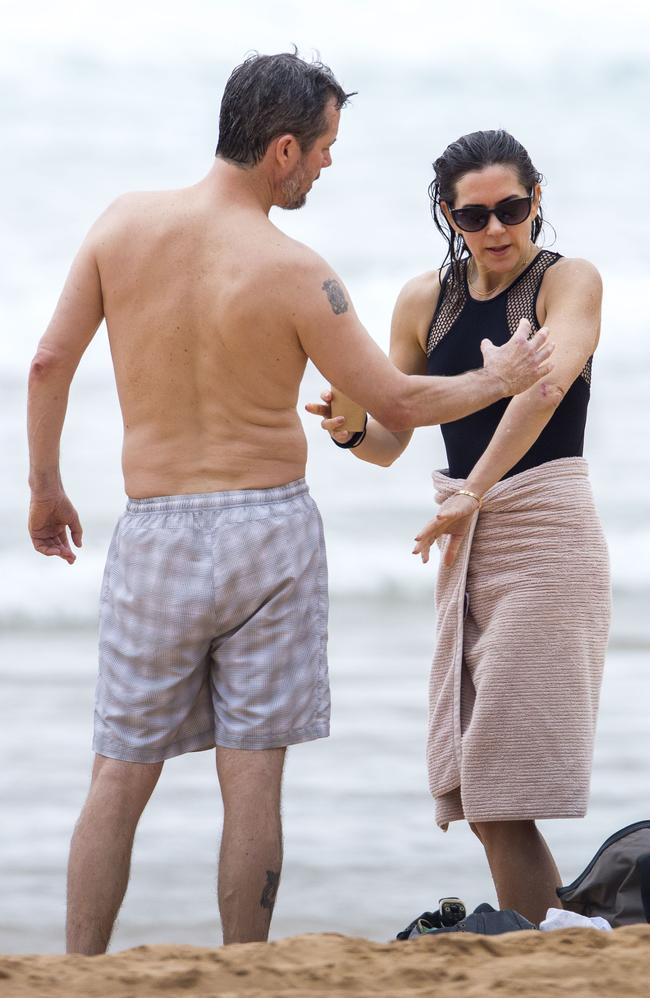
(336, 341)
(73, 325)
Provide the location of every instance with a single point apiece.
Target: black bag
(489, 922)
(483, 920)
(616, 883)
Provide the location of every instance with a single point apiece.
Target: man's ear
(287, 151)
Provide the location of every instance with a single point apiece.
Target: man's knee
(126, 772)
(254, 776)
(130, 781)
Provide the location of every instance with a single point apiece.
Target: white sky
(363, 30)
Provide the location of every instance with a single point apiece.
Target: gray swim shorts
(213, 625)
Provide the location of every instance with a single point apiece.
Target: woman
(523, 588)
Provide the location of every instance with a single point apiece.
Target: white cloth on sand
(558, 918)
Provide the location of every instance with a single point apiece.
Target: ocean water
(362, 852)
(92, 104)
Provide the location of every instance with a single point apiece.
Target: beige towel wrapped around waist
(522, 625)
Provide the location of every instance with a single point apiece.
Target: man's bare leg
(522, 867)
(100, 851)
(250, 860)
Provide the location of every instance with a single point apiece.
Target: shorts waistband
(218, 500)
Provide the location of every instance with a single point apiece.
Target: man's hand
(49, 516)
(520, 362)
(454, 519)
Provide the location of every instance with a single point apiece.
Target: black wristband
(355, 439)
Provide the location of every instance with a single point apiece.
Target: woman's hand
(335, 425)
(454, 518)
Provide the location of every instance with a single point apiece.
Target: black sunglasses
(476, 217)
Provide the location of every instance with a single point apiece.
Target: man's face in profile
(296, 187)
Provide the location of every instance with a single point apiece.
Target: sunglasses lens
(470, 219)
(513, 212)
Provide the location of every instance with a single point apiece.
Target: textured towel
(522, 624)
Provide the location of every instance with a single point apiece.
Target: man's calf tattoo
(270, 890)
(335, 296)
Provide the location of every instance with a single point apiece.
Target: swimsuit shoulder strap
(452, 300)
(521, 300)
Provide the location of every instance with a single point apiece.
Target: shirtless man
(214, 598)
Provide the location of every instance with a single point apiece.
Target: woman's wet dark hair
(270, 95)
(474, 152)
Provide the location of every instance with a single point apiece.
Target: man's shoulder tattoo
(335, 296)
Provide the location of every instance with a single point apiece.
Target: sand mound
(576, 962)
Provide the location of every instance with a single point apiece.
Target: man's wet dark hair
(474, 152)
(272, 95)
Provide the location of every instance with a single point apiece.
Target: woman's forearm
(522, 423)
(381, 446)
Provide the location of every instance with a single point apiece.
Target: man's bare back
(207, 361)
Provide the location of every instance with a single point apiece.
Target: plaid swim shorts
(213, 625)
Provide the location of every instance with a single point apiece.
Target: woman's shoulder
(572, 272)
(414, 308)
(420, 294)
(569, 279)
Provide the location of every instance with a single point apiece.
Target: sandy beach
(527, 965)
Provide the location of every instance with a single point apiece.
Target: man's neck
(248, 187)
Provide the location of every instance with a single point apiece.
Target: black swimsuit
(453, 347)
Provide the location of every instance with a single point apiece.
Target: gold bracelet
(466, 492)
